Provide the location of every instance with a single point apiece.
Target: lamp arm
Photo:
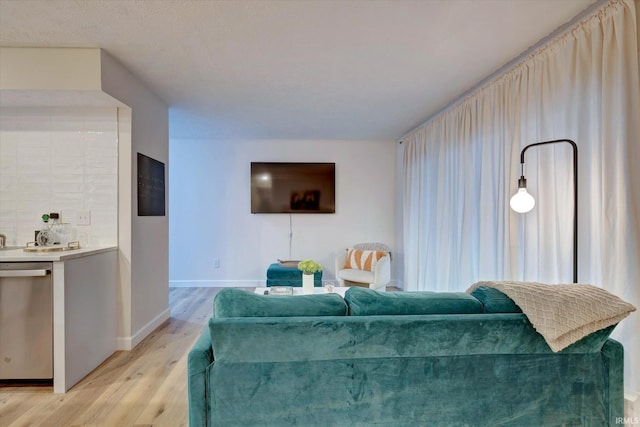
(575, 194)
(555, 141)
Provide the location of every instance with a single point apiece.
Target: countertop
(11, 255)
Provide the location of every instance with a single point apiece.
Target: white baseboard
(123, 343)
(240, 283)
(216, 283)
(129, 343)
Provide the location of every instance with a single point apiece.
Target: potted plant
(308, 268)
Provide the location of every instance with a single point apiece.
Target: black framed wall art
(151, 187)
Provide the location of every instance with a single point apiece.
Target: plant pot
(307, 283)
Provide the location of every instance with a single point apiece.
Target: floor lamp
(523, 202)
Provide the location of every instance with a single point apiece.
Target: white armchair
(379, 276)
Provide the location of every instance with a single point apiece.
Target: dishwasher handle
(25, 273)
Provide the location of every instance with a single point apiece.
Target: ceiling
(296, 69)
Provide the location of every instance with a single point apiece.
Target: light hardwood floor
(143, 387)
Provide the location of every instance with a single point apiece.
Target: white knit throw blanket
(563, 314)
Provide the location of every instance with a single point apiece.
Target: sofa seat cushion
(360, 276)
(231, 302)
(495, 301)
(367, 302)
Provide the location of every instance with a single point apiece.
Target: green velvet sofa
(394, 359)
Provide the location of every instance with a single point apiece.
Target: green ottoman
(279, 275)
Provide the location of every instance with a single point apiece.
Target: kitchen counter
(17, 255)
(84, 308)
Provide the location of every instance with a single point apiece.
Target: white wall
(59, 160)
(211, 215)
(143, 241)
(632, 397)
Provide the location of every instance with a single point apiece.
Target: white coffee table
(316, 290)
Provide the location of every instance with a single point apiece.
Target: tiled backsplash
(59, 159)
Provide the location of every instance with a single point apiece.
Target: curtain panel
(462, 167)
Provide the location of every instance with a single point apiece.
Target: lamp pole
(522, 202)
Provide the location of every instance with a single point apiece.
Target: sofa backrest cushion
(231, 302)
(495, 301)
(289, 339)
(367, 302)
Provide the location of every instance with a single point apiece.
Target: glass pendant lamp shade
(522, 201)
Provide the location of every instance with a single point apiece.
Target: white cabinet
(84, 316)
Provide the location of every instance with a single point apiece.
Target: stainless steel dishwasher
(26, 321)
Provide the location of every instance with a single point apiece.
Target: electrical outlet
(216, 263)
(84, 218)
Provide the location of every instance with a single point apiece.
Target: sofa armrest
(382, 272)
(613, 358)
(199, 361)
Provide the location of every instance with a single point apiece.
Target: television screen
(293, 187)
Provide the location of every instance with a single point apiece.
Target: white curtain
(461, 168)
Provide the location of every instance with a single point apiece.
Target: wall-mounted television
(293, 187)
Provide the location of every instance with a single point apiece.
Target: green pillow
(495, 301)
(367, 302)
(231, 302)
